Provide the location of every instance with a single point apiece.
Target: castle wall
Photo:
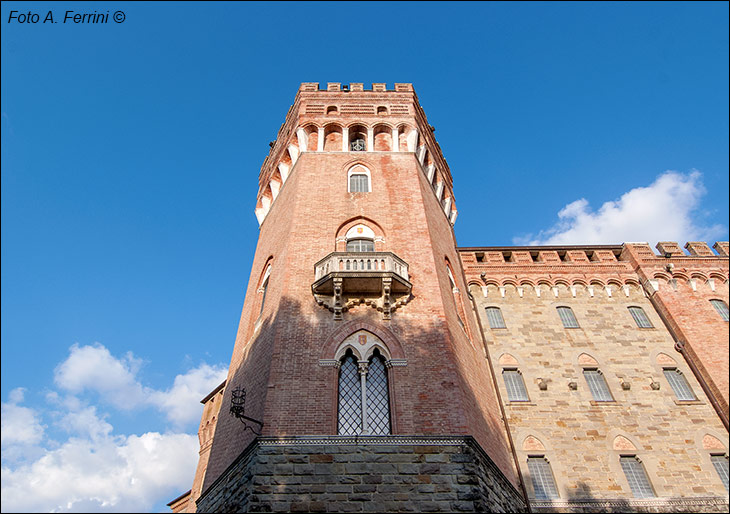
(561, 420)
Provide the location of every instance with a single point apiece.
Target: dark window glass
(378, 411)
(349, 409)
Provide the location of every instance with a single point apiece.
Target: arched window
(516, 390)
(358, 139)
(567, 317)
(349, 405)
(679, 384)
(721, 308)
(360, 238)
(358, 180)
(264, 287)
(543, 481)
(720, 462)
(636, 476)
(363, 398)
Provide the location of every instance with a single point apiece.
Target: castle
(378, 367)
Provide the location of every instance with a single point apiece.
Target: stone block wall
(365, 474)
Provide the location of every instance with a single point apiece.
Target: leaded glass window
(640, 317)
(378, 411)
(360, 245)
(516, 391)
(349, 407)
(543, 481)
(636, 476)
(597, 385)
(495, 318)
(721, 466)
(679, 384)
(567, 317)
(359, 183)
(721, 308)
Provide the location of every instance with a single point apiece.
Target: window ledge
(689, 402)
(612, 402)
(519, 403)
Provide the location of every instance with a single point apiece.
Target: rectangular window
(516, 391)
(679, 384)
(494, 315)
(721, 308)
(640, 317)
(567, 317)
(720, 463)
(543, 481)
(597, 385)
(359, 183)
(636, 475)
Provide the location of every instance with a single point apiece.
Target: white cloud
(95, 368)
(181, 403)
(110, 473)
(94, 469)
(19, 426)
(662, 211)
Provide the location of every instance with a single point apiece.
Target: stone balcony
(345, 279)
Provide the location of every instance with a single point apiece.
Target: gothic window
(359, 183)
(358, 180)
(494, 316)
(264, 287)
(720, 461)
(543, 481)
(636, 476)
(679, 384)
(360, 245)
(378, 411)
(363, 401)
(349, 407)
(516, 390)
(640, 317)
(567, 317)
(597, 385)
(721, 308)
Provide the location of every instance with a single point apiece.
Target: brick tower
(358, 348)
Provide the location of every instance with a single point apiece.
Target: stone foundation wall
(362, 474)
(710, 504)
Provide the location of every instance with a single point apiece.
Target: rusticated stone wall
(365, 474)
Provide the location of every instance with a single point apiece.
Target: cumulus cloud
(662, 211)
(20, 427)
(95, 368)
(181, 403)
(94, 469)
(109, 473)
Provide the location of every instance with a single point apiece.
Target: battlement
(672, 250)
(377, 87)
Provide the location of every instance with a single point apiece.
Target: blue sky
(130, 160)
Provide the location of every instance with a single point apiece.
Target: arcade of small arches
(355, 137)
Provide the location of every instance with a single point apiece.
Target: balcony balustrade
(345, 279)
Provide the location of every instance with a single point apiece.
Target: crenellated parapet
(349, 118)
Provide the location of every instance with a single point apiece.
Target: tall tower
(358, 349)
